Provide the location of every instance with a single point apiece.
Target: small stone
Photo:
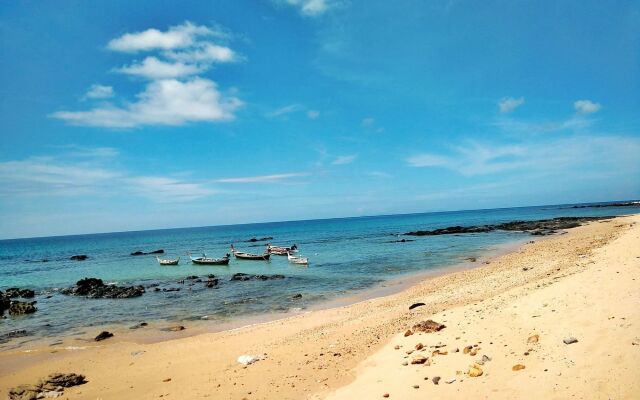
(435, 380)
(533, 339)
(517, 367)
(419, 346)
(405, 363)
(450, 381)
(570, 340)
(385, 395)
(467, 349)
(414, 305)
(475, 371)
(397, 347)
(486, 358)
(166, 380)
(408, 333)
(419, 360)
(416, 386)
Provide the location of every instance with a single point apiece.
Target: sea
(347, 257)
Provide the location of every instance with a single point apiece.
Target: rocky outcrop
(16, 292)
(22, 307)
(50, 387)
(142, 253)
(5, 302)
(539, 227)
(95, 288)
(249, 277)
(618, 204)
(428, 326)
(79, 257)
(13, 334)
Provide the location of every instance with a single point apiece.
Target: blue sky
(120, 115)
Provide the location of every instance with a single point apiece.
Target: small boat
(204, 260)
(297, 260)
(281, 250)
(248, 256)
(167, 261)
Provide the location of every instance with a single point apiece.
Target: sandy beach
(515, 310)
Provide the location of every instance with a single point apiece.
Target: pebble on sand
(475, 371)
(408, 333)
(570, 340)
(533, 339)
(517, 367)
(435, 380)
(419, 360)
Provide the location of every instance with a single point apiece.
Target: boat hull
(224, 261)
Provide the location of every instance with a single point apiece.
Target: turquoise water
(346, 256)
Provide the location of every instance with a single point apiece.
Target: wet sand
(349, 351)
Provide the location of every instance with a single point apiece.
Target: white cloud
(165, 189)
(176, 37)
(428, 160)
(342, 160)
(379, 174)
(313, 114)
(152, 68)
(310, 7)
(163, 102)
(205, 53)
(586, 106)
(508, 104)
(99, 92)
(263, 178)
(368, 121)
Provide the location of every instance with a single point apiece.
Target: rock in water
(79, 257)
(570, 340)
(414, 305)
(21, 307)
(428, 326)
(475, 371)
(16, 292)
(103, 335)
(95, 288)
(176, 328)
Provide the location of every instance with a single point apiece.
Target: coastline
(335, 339)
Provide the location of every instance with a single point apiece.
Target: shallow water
(346, 255)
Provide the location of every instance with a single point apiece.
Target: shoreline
(351, 333)
(154, 332)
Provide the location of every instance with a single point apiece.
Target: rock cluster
(539, 227)
(50, 387)
(16, 292)
(248, 277)
(95, 288)
(428, 326)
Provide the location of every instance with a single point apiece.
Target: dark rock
(21, 307)
(137, 253)
(415, 305)
(435, 380)
(617, 204)
(142, 253)
(95, 288)
(260, 239)
(79, 257)
(13, 334)
(53, 383)
(140, 325)
(452, 230)
(5, 302)
(103, 335)
(471, 259)
(211, 283)
(428, 326)
(297, 296)
(191, 277)
(15, 292)
(247, 277)
(160, 251)
(57, 380)
(176, 328)
(173, 289)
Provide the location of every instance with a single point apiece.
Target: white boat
(297, 260)
(167, 261)
(281, 250)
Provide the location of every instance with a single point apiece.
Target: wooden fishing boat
(281, 250)
(204, 260)
(297, 260)
(248, 256)
(167, 261)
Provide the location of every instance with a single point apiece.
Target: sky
(119, 115)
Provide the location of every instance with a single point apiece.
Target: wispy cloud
(86, 171)
(276, 178)
(313, 114)
(586, 106)
(508, 104)
(310, 8)
(342, 160)
(609, 153)
(379, 174)
(99, 92)
(284, 110)
(175, 94)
